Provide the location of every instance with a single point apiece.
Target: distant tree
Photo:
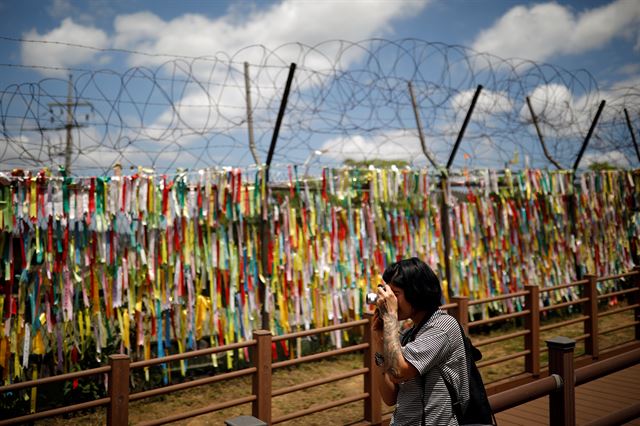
(597, 166)
(382, 164)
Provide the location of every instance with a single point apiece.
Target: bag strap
(456, 406)
(455, 402)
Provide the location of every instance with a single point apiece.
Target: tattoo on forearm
(392, 351)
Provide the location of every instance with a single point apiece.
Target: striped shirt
(437, 349)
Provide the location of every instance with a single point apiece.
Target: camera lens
(371, 298)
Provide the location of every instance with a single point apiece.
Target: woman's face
(405, 310)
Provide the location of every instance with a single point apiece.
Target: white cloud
(488, 103)
(544, 30)
(615, 158)
(61, 56)
(392, 145)
(558, 112)
(305, 22)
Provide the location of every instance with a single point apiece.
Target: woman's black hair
(420, 284)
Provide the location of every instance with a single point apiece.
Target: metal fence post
(261, 383)
(532, 324)
(590, 309)
(118, 408)
(372, 404)
(562, 403)
(461, 311)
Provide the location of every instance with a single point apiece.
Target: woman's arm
(397, 367)
(388, 389)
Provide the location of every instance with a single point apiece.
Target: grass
(202, 396)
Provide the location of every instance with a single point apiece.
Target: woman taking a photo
(415, 362)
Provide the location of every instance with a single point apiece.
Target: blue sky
(602, 37)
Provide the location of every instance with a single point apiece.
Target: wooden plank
(508, 419)
(593, 400)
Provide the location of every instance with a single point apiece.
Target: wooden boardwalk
(593, 400)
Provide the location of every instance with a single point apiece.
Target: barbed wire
(349, 100)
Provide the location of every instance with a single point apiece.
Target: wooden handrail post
(372, 404)
(118, 408)
(461, 311)
(590, 309)
(261, 383)
(634, 298)
(532, 323)
(562, 403)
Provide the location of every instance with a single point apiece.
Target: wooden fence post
(532, 323)
(372, 404)
(590, 309)
(634, 299)
(562, 403)
(461, 311)
(261, 383)
(118, 408)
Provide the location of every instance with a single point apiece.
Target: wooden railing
(120, 367)
(561, 382)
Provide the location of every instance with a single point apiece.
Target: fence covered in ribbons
(149, 264)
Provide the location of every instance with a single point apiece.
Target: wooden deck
(593, 400)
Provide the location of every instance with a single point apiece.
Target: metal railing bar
(499, 318)
(200, 411)
(561, 324)
(564, 304)
(498, 298)
(501, 338)
(505, 358)
(192, 383)
(52, 379)
(55, 412)
(318, 382)
(191, 354)
(342, 326)
(322, 355)
(322, 407)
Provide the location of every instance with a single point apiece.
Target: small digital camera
(371, 298)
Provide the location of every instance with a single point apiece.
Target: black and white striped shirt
(436, 350)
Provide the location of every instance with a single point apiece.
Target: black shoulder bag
(478, 411)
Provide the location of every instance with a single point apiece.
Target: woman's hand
(387, 302)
